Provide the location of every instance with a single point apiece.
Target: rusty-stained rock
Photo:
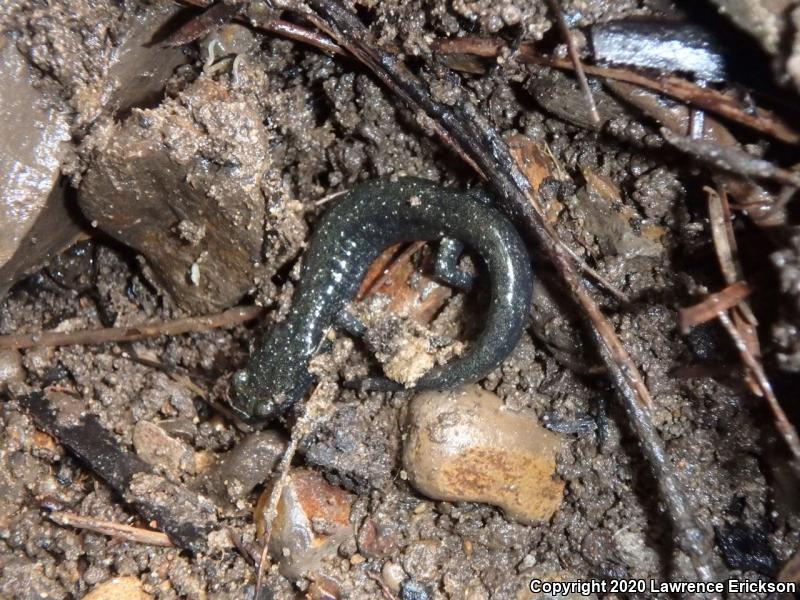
(156, 447)
(33, 216)
(119, 588)
(377, 539)
(182, 184)
(313, 520)
(464, 445)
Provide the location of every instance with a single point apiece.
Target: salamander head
(273, 381)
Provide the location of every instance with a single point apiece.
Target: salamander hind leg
(446, 265)
(374, 384)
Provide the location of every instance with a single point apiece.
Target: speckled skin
(348, 239)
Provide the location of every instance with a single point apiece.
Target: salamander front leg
(446, 265)
(348, 322)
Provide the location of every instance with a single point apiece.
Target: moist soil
(332, 125)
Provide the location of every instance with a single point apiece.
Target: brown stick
(111, 529)
(706, 98)
(781, 421)
(730, 159)
(300, 34)
(228, 318)
(713, 305)
(488, 152)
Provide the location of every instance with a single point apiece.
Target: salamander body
(349, 237)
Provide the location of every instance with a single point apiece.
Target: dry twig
(111, 529)
(575, 58)
(781, 421)
(227, 318)
(312, 409)
(711, 306)
(731, 159)
(706, 98)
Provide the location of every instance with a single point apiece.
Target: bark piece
(183, 515)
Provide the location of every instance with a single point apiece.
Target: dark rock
(245, 466)
(186, 187)
(746, 549)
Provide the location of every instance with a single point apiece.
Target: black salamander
(350, 236)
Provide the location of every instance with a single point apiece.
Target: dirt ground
(327, 125)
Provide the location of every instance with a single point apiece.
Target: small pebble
(11, 370)
(411, 590)
(393, 575)
(465, 445)
(243, 467)
(119, 588)
(157, 447)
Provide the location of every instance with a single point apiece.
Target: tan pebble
(204, 460)
(464, 445)
(324, 588)
(119, 588)
(550, 573)
(44, 441)
(393, 575)
(156, 447)
(312, 521)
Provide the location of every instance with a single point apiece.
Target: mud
(328, 124)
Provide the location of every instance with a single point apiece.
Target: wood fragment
(707, 98)
(299, 33)
(712, 305)
(227, 318)
(412, 292)
(200, 25)
(731, 159)
(377, 270)
(535, 165)
(719, 213)
(785, 428)
(111, 529)
(575, 58)
(461, 127)
(484, 47)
